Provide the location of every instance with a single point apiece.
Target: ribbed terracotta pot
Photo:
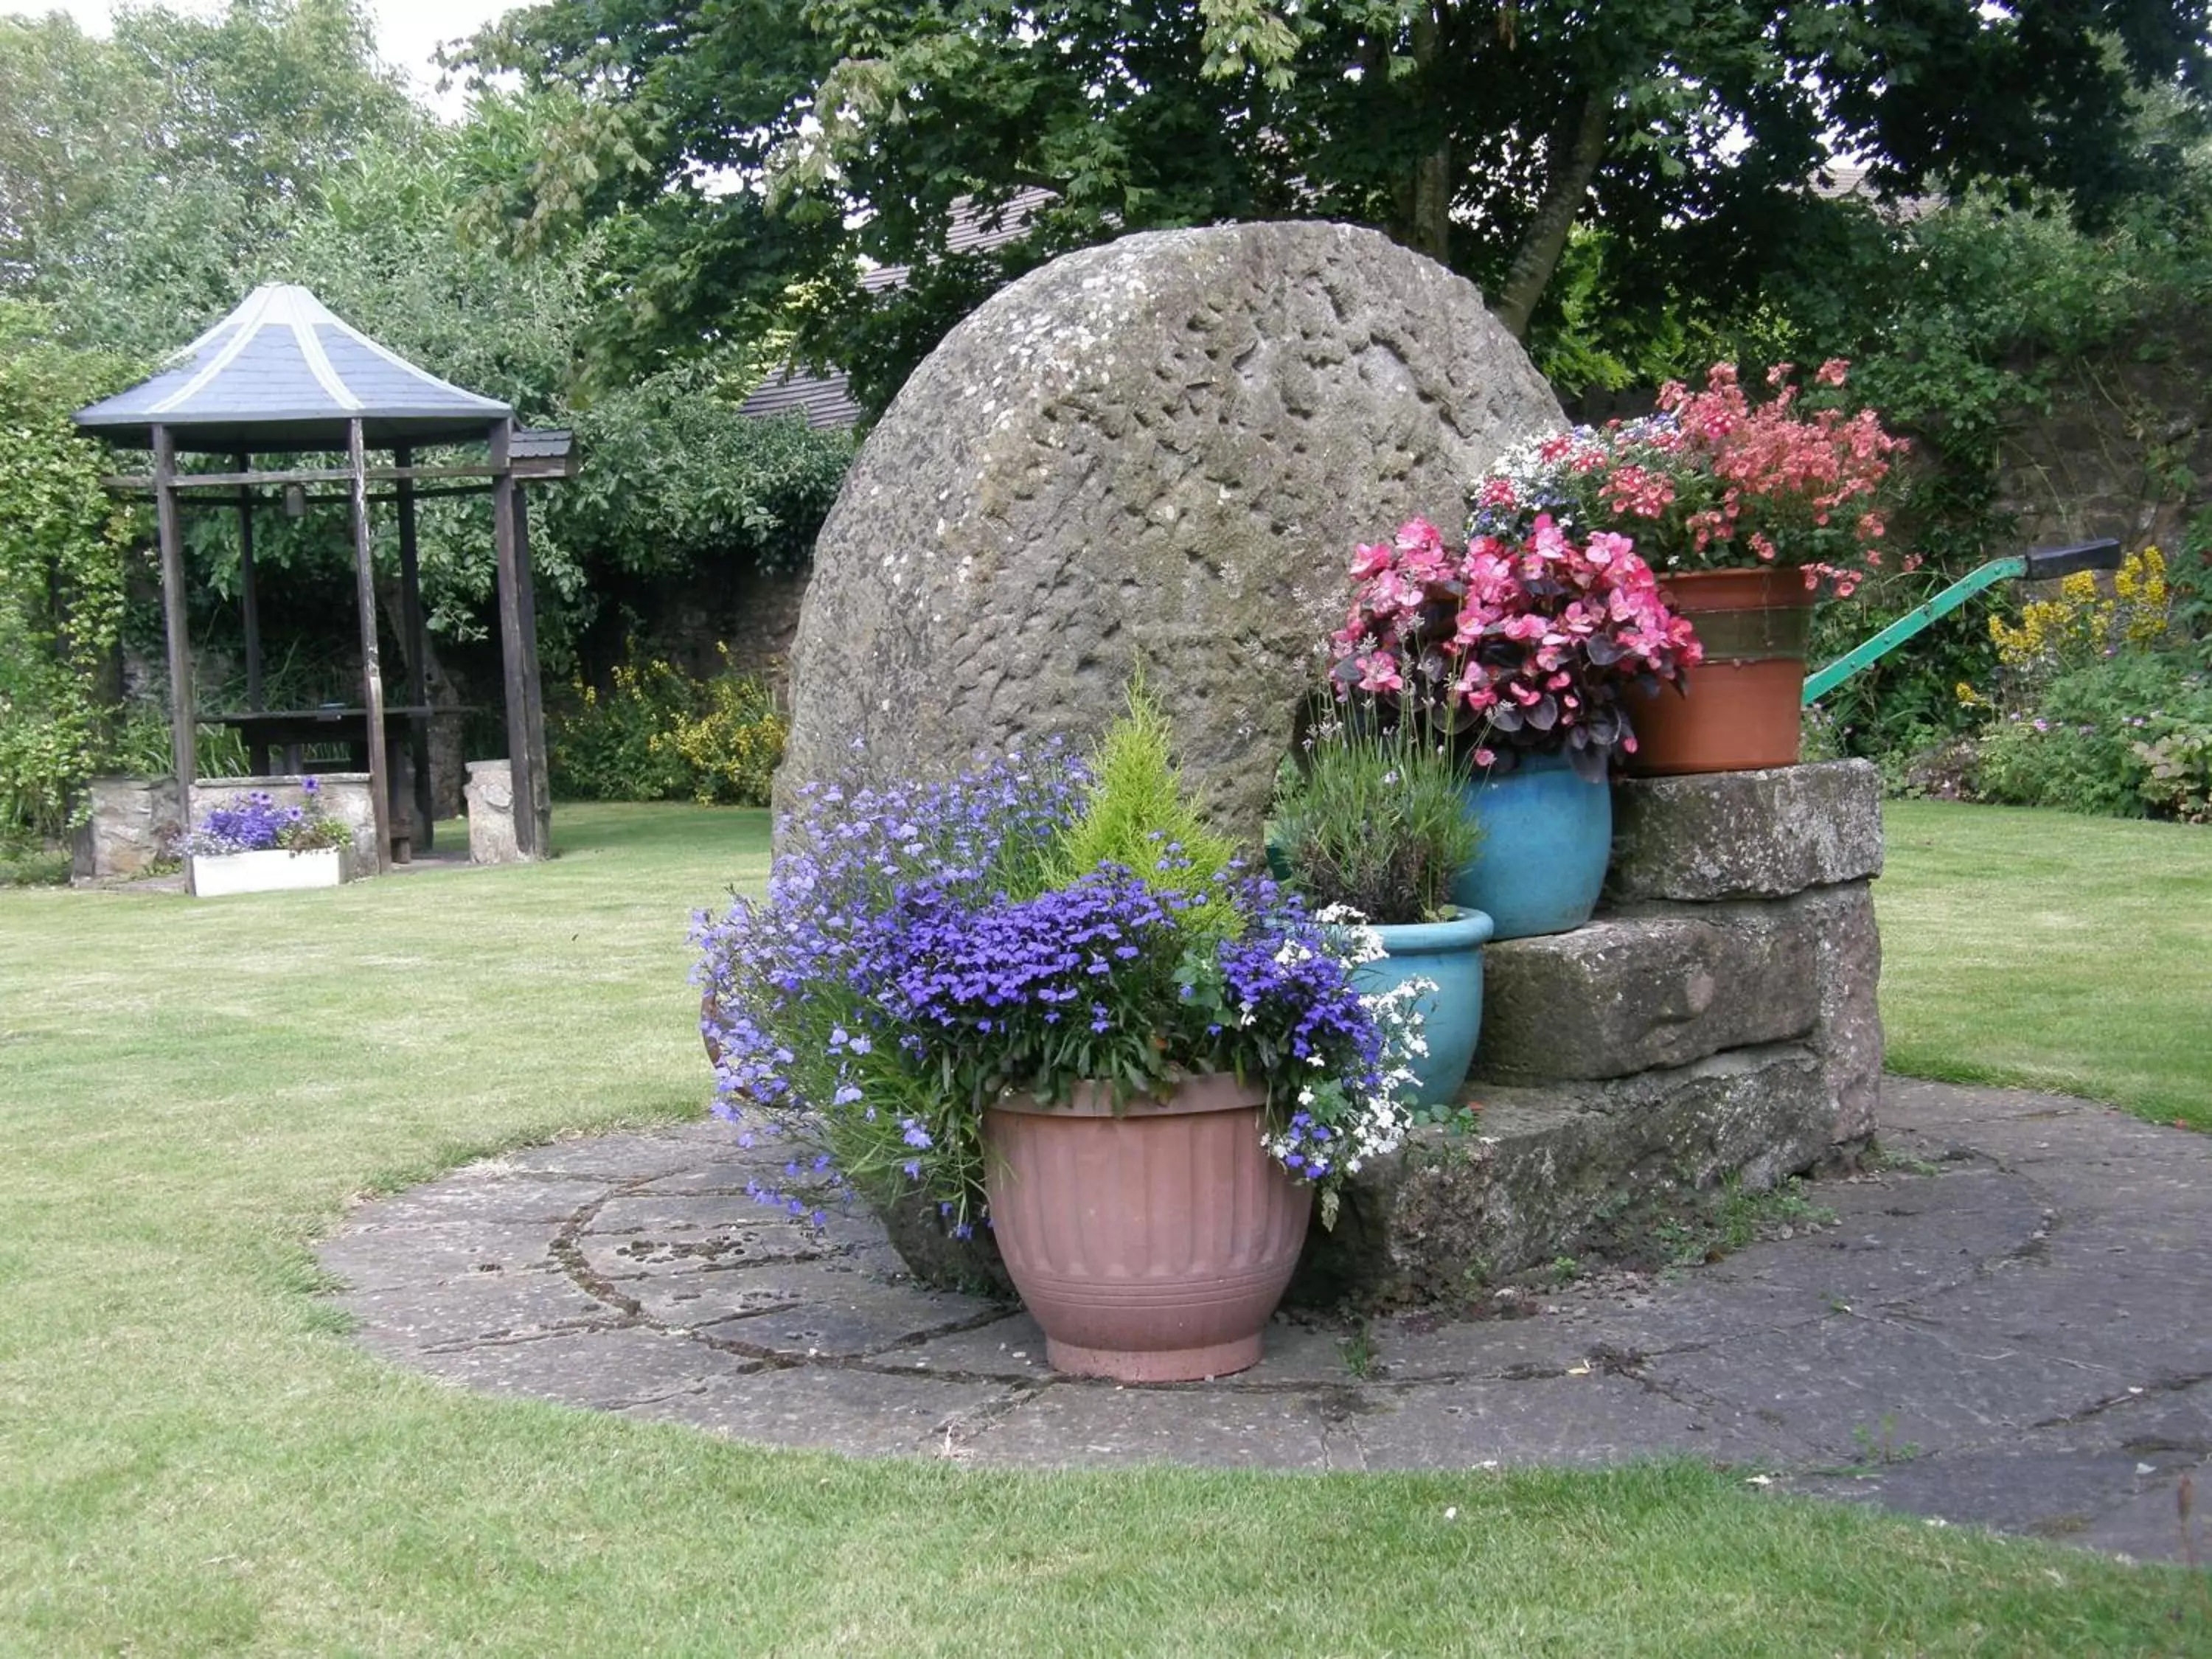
(710, 1016)
(1152, 1245)
(1738, 710)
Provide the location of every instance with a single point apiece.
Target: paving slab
(1081, 1425)
(859, 1411)
(2008, 1322)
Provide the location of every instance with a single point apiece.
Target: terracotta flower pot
(710, 1016)
(1152, 1246)
(1738, 710)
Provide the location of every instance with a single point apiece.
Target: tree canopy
(777, 152)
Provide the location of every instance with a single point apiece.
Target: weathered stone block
(1848, 1034)
(1746, 835)
(1552, 1170)
(490, 799)
(130, 823)
(1630, 993)
(1160, 452)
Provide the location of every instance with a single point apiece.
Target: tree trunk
(1576, 151)
(1430, 226)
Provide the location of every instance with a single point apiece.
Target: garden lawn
(195, 1459)
(2049, 951)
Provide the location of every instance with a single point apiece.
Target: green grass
(2052, 951)
(194, 1459)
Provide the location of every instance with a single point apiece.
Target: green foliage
(2081, 748)
(734, 742)
(62, 542)
(1138, 815)
(675, 480)
(1478, 134)
(1375, 818)
(657, 734)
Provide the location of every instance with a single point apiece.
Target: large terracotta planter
(1153, 1245)
(1738, 710)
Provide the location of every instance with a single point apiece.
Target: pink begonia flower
(1419, 536)
(1379, 672)
(1832, 372)
(1370, 562)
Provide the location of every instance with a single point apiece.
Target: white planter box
(268, 872)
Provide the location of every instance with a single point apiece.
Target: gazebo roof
(281, 373)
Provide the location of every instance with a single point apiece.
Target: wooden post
(540, 796)
(413, 642)
(515, 648)
(371, 676)
(183, 713)
(249, 603)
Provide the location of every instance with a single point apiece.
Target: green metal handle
(2036, 566)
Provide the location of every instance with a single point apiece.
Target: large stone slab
(131, 824)
(1160, 452)
(1634, 993)
(1555, 1170)
(1746, 835)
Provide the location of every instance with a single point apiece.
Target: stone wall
(1715, 1021)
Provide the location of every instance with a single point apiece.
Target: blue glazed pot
(1450, 954)
(1547, 836)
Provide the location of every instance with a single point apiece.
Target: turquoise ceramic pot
(1448, 953)
(1546, 835)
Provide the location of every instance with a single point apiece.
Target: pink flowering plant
(1714, 481)
(1523, 641)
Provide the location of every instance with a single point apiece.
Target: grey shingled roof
(280, 372)
(826, 400)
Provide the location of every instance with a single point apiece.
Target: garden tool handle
(2045, 563)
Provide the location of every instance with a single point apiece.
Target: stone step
(1550, 1172)
(1744, 834)
(1659, 988)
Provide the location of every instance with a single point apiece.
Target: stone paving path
(2010, 1326)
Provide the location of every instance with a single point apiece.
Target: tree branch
(1575, 163)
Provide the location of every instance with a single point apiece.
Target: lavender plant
(923, 950)
(252, 821)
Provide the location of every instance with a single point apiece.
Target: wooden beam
(324, 475)
(182, 710)
(515, 652)
(414, 641)
(122, 486)
(371, 676)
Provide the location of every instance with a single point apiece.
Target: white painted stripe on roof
(301, 320)
(247, 318)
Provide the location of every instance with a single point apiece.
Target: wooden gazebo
(281, 376)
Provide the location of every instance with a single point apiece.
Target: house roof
(826, 400)
(281, 373)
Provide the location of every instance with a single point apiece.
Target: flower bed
(252, 844)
